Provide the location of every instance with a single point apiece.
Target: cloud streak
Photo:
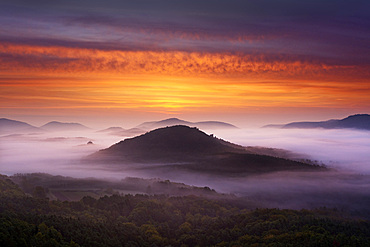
(235, 26)
(74, 60)
(184, 54)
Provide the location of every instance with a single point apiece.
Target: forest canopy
(160, 220)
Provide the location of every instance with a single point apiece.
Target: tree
(39, 192)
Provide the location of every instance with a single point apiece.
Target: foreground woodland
(162, 220)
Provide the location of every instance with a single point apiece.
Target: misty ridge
(273, 168)
(358, 121)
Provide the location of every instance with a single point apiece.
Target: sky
(246, 62)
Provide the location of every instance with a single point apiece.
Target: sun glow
(43, 77)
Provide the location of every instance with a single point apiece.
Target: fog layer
(347, 151)
(344, 149)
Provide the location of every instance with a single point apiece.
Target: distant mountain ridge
(185, 148)
(14, 126)
(176, 121)
(60, 126)
(119, 131)
(358, 121)
(111, 129)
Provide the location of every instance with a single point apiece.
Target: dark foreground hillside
(167, 221)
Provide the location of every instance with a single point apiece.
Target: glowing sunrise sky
(261, 61)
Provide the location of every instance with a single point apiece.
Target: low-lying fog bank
(345, 187)
(345, 149)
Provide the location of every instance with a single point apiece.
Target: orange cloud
(50, 60)
(35, 77)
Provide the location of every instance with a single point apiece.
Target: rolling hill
(118, 131)
(359, 121)
(13, 126)
(59, 126)
(73, 189)
(111, 130)
(181, 147)
(176, 121)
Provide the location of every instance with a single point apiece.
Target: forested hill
(181, 147)
(179, 139)
(167, 221)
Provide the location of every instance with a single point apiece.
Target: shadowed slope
(176, 143)
(186, 148)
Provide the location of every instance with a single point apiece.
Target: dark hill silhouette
(13, 126)
(59, 126)
(359, 121)
(186, 148)
(178, 139)
(176, 121)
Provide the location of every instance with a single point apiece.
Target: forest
(163, 220)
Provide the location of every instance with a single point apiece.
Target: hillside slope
(186, 148)
(359, 121)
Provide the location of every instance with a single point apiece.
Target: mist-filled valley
(165, 184)
(183, 123)
(344, 153)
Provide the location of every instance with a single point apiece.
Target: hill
(176, 121)
(111, 130)
(118, 131)
(13, 126)
(359, 121)
(73, 189)
(59, 126)
(129, 132)
(9, 188)
(184, 148)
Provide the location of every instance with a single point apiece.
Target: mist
(56, 153)
(343, 149)
(346, 152)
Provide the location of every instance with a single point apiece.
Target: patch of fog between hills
(340, 148)
(59, 153)
(56, 153)
(294, 190)
(347, 150)
(344, 149)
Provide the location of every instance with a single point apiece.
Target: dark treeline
(143, 220)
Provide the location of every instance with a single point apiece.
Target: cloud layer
(184, 54)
